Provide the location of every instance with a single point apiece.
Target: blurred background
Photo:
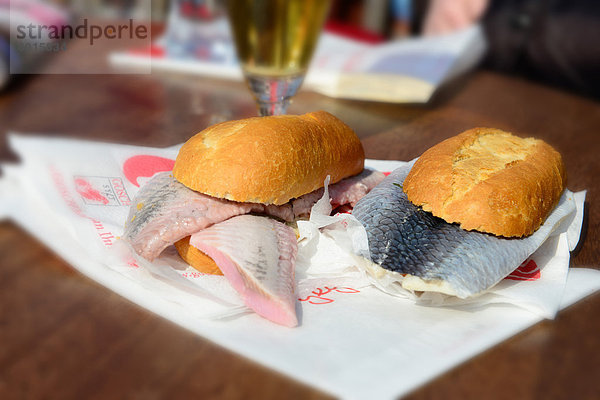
(549, 41)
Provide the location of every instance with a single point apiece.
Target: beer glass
(275, 40)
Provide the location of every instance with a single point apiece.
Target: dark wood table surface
(62, 336)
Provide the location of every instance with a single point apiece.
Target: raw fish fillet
(442, 257)
(351, 190)
(346, 191)
(164, 210)
(257, 256)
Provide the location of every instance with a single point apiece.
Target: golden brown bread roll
(269, 160)
(196, 258)
(488, 180)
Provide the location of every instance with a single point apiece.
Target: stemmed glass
(275, 40)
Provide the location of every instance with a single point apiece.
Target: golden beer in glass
(275, 40)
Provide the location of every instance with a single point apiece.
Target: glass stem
(273, 94)
(278, 108)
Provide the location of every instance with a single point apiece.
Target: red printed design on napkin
(318, 295)
(105, 235)
(88, 192)
(145, 166)
(102, 190)
(528, 271)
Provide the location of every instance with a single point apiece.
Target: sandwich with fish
(234, 192)
(466, 214)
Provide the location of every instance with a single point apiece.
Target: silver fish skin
(164, 210)
(405, 239)
(257, 255)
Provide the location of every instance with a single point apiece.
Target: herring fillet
(164, 210)
(354, 188)
(346, 191)
(257, 256)
(405, 239)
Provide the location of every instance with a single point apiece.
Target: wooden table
(63, 336)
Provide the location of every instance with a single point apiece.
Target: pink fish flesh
(257, 256)
(346, 191)
(164, 210)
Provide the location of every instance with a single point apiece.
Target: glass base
(273, 94)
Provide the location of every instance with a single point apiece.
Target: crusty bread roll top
(269, 160)
(488, 180)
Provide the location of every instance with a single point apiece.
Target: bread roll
(269, 160)
(488, 180)
(196, 258)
